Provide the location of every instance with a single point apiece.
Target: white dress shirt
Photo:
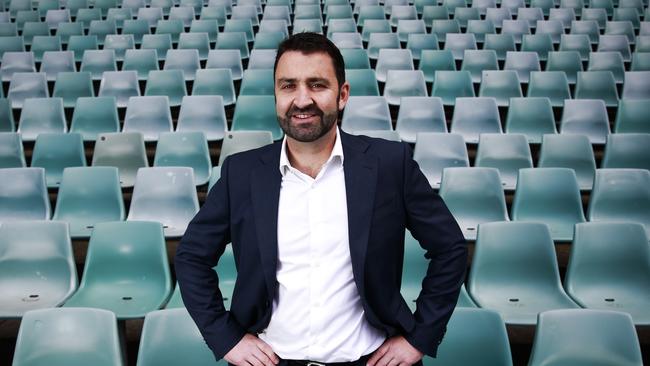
(317, 312)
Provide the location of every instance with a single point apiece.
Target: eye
(287, 86)
(317, 85)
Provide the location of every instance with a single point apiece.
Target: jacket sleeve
(433, 226)
(198, 252)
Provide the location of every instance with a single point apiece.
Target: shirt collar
(337, 151)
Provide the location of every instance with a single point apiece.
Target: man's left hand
(395, 351)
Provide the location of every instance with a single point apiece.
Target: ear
(344, 94)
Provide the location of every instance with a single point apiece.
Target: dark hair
(308, 43)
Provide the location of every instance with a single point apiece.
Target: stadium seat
(256, 113)
(586, 117)
(475, 61)
(631, 116)
(569, 151)
(149, 115)
(583, 337)
(167, 83)
(608, 61)
(99, 61)
(640, 61)
(440, 27)
(173, 27)
(79, 44)
(541, 44)
(406, 28)
(70, 86)
(37, 266)
(636, 85)
(473, 116)
(550, 196)
(307, 25)
(532, 117)
(433, 12)
(368, 12)
(363, 82)
(238, 141)
(119, 15)
(141, 61)
(436, 151)
(380, 40)
(203, 113)
(627, 150)
(607, 6)
(420, 114)
(498, 15)
(40, 115)
(257, 82)
(233, 41)
(346, 25)
(268, 40)
(102, 28)
(68, 337)
(549, 84)
(208, 26)
(473, 336)
(143, 282)
(119, 84)
(402, 12)
(366, 113)
(515, 272)
(563, 15)
(609, 268)
(86, 15)
(404, 83)
(621, 195)
(531, 15)
(13, 62)
(355, 59)
(11, 44)
(450, 85)
(7, 123)
(391, 59)
(23, 196)
(516, 28)
(389, 135)
(567, 61)
(125, 150)
(576, 42)
(480, 28)
(586, 27)
(464, 15)
(474, 196)
(56, 151)
(34, 29)
(507, 153)
(42, 44)
(25, 85)
(262, 59)
(186, 149)
(216, 174)
(457, 43)
(523, 63)
(89, 196)
(624, 28)
(500, 85)
(616, 43)
(597, 85)
(216, 82)
(186, 60)
(170, 337)
(552, 27)
(93, 116)
(501, 43)
(432, 61)
(182, 13)
(120, 43)
(11, 150)
(162, 43)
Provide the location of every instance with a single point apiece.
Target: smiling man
(317, 225)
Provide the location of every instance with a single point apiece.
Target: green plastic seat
(363, 82)
(75, 5)
(553, 85)
(451, 5)
(609, 268)
(338, 12)
(631, 116)
(434, 12)
(625, 28)
(257, 113)
(441, 27)
(550, 196)
(436, 151)
(173, 203)
(405, 28)
(501, 43)
(24, 16)
(164, 5)
(11, 44)
(167, 83)
(151, 14)
(119, 84)
(576, 42)
(404, 83)
(585, 117)
(143, 282)
(450, 85)
(120, 43)
(97, 62)
(56, 62)
(480, 28)
(93, 116)
(598, 15)
(616, 43)
(89, 196)
(420, 114)
(636, 85)
(159, 42)
(642, 43)
(355, 59)
(532, 117)
(233, 41)
(141, 61)
(42, 44)
(240, 26)
(71, 85)
(475, 61)
(215, 82)
(34, 29)
(474, 116)
(26, 85)
(257, 82)
(458, 43)
(367, 12)
(11, 150)
(79, 44)
(13, 62)
(474, 196)
(500, 85)
(239, 141)
(41, 115)
(463, 15)
(519, 27)
(119, 15)
(505, 12)
(37, 266)
(474, 336)
(104, 5)
(56, 151)
(188, 149)
(621, 195)
(203, 113)
(514, 271)
(307, 25)
(576, 5)
(86, 15)
(530, 15)
(124, 150)
(23, 196)
(586, 27)
(268, 40)
(180, 343)
(507, 153)
(86, 337)
(101, 29)
(627, 150)
(247, 11)
(569, 151)
(418, 42)
(581, 337)
(7, 123)
(597, 85)
(402, 12)
(183, 13)
(432, 61)
(173, 27)
(138, 28)
(214, 176)
(149, 115)
(382, 39)
(366, 113)
(567, 61)
(563, 15)
(523, 63)
(226, 59)
(186, 60)
(555, 28)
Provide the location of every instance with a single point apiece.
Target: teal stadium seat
(569, 151)
(119, 84)
(238, 141)
(256, 113)
(586, 117)
(366, 113)
(169, 84)
(41, 115)
(507, 153)
(189, 149)
(56, 151)
(93, 116)
(627, 150)
(23, 196)
(420, 114)
(11, 150)
(436, 151)
(124, 150)
(474, 116)
(26, 85)
(204, 113)
(149, 115)
(531, 116)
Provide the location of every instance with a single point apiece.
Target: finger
(263, 357)
(377, 355)
(394, 362)
(254, 361)
(268, 351)
(385, 359)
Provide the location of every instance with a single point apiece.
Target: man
(317, 226)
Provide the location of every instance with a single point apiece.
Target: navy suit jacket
(386, 193)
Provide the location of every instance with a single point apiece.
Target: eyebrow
(309, 80)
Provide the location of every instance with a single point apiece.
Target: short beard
(312, 132)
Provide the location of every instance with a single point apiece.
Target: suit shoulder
(385, 148)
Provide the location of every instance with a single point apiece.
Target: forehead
(298, 65)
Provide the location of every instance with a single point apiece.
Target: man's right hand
(252, 351)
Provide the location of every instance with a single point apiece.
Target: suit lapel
(360, 183)
(265, 195)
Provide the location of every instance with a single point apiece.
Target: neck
(309, 157)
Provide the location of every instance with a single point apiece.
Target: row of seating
(170, 337)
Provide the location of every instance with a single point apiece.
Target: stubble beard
(308, 132)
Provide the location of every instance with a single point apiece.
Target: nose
(303, 97)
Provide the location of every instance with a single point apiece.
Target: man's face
(307, 95)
